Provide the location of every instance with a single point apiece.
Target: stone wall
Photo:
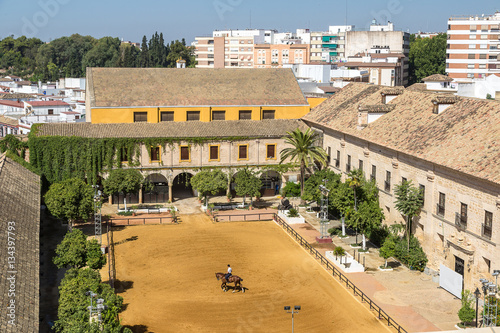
(442, 240)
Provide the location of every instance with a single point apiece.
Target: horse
(232, 279)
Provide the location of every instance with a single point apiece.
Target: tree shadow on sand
(139, 329)
(121, 286)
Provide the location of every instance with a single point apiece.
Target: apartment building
(437, 142)
(230, 48)
(277, 55)
(473, 49)
(329, 46)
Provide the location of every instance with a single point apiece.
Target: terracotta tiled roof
(464, 137)
(20, 204)
(445, 99)
(24, 83)
(377, 108)
(188, 129)
(438, 78)
(9, 121)
(328, 89)
(47, 103)
(4, 79)
(15, 104)
(17, 96)
(417, 87)
(115, 87)
(393, 91)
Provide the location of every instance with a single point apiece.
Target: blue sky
(130, 20)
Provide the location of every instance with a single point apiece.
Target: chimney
(441, 103)
(369, 113)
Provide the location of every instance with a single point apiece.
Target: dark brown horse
(232, 279)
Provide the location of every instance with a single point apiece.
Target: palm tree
(304, 151)
(408, 202)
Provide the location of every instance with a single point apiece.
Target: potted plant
(229, 197)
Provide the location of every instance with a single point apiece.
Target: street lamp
(324, 209)
(95, 309)
(295, 310)
(477, 293)
(97, 213)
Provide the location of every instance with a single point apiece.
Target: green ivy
(59, 158)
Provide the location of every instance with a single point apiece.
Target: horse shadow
(233, 288)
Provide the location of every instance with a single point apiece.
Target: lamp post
(477, 293)
(95, 309)
(295, 310)
(97, 213)
(490, 307)
(324, 209)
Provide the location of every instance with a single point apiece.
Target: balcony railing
(440, 210)
(461, 221)
(486, 231)
(387, 186)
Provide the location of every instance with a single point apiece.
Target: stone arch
(156, 189)
(181, 185)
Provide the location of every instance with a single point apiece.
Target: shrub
(335, 231)
(387, 250)
(127, 213)
(291, 190)
(293, 213)
(339, 251)
(415, 258)
(467, 313)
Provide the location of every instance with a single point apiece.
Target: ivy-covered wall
(60, 158)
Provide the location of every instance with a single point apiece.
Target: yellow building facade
(154, 95)
(205, 114)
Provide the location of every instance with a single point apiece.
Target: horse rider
(229, 272)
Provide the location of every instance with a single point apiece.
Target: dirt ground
(167, 278)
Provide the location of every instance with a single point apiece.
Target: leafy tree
(73, 315)
(409, 201)
(291, 189)
(71, 199)
(123, 181)
(105, 53)
(95, 258)
(209, 182)
(467, 313)
(427, 56)
(304, 151)
(12, 143)
(76, 251)
(311, 186)
(387, 250)
(247, 183)
(414, 257)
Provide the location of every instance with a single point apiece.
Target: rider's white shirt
(229, 270)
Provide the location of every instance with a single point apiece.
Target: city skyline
(51, 19)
